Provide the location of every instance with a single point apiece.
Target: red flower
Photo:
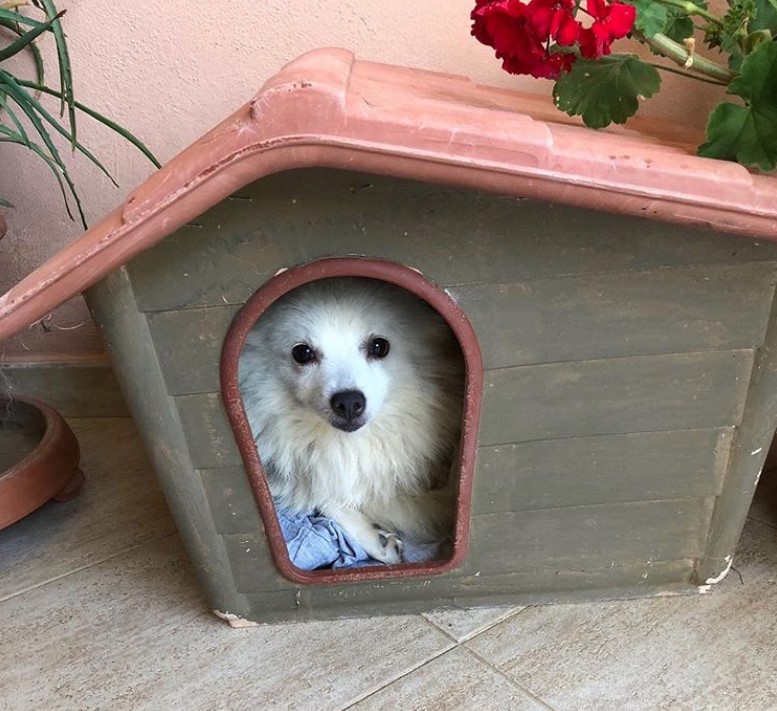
(611, 22)
(521, 34)
(555, 19)
(503, 25)
(553, 65)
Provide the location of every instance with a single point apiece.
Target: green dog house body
(621, 387)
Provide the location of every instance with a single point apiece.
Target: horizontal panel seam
(715, 428)
(612, 505)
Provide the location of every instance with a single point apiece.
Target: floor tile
(713, 652)
(133, 633)
(119, 506)
(464, 624)
(455, 680)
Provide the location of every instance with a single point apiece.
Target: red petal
(620, 19)
(540, 13)
(597, 9)
(591, 42)
(568, 32)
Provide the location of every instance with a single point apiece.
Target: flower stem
(693, 9)
(689, 75)
(680, 55)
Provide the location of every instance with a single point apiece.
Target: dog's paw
(392, 548)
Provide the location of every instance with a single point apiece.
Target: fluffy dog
(353, 390)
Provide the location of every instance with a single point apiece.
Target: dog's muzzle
(348, 407)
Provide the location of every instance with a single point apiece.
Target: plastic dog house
(622, 384)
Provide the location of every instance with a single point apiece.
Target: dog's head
(340, 348)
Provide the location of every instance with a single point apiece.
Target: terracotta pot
(49, 455)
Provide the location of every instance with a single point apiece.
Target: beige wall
(169, 70)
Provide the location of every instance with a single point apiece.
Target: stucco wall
(169, 70)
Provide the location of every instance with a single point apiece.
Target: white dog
(353, 389)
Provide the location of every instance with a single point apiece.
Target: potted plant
(570, 42)
(24, 118)
(40, 452)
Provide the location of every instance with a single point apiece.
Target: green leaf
(24, 40)
(123, 132)
(5, 203)
(30, 107)
(21, 96)
(737, 19)
(14, 138)
(757, 82)
(748, 134)
(651, 16)
(65, 72)
(12, 114)
(11, 18)
(679, 25)
(32, 48)
(605, 90)
(765, 16)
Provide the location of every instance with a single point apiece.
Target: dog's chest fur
(389, 456)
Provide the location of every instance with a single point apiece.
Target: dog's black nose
(348, 404)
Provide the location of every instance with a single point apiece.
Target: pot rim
(49, 471)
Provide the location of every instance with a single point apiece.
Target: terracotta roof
(328, 109)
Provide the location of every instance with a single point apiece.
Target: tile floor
(99, 609)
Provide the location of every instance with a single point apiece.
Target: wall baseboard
(77, 388)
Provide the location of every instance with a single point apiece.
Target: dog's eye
(378, 348)
(303, 354)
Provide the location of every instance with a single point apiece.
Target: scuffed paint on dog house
(628, 383)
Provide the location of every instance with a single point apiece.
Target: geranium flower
(611, 22)
(511, 28)
(555, 19)
(504, 25)
(553, 65)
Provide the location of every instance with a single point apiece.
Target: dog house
(613, 295)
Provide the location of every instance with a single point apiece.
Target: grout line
(510, 680)
(85, 567)
(455, 645)
(437, 628)
(443, 632)
(518, 609)
(367, 695)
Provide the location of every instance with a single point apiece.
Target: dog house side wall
(632, 342)
(125, 329)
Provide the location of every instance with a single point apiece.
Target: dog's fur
(385, 465)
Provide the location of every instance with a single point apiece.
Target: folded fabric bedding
(316, 542)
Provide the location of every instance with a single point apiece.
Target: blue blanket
(316, 542)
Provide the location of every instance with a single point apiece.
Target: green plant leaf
(30, 107)
(22, 96)
(5, 203)
(32, 48)
(748, 134)
(25, 39)
(765, 16)
(123, 132)
(12, 114)
(679, 25)
(65, 72)
(10, 137)
(651, 16)
(605, 90)
(19, 99)
(11, 18)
